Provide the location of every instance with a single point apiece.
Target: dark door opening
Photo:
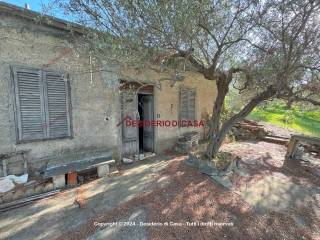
(146, 131)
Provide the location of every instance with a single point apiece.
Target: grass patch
(306, 122)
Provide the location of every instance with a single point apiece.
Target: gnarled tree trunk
(218, 133)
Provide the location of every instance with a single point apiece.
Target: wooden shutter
(30, 118)
(183, 104)
(57, 104)
(42, 104)
(192, 104)
(187, 104)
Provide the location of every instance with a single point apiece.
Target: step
(276, 139)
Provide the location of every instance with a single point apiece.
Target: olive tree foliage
(264, 49)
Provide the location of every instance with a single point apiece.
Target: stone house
(52, 104)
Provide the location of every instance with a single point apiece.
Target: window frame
(189, 90)
(44, 102)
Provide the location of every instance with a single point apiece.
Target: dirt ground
(173, 196)
(278, 131)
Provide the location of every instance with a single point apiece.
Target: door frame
(153, 118)
(147, 90)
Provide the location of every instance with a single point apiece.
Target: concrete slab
(103, 170)
(59, 181)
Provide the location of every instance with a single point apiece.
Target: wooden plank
(57, 104)
(309, 139)
(294, 142)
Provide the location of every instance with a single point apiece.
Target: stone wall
(167, 102)
(95, 105)
(29, 44)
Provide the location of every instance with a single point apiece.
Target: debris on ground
(127, 160)
(187, 142)
(23, 201)
(193, 197)
(6, 184)
(170, 191)
(248, 130)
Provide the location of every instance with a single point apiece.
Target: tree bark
(214, 124)
(217, 133)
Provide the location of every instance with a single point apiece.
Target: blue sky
(36, 5)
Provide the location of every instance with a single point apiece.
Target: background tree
(264, 49)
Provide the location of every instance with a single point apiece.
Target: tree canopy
(266, 49)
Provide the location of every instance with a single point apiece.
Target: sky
(36, 5)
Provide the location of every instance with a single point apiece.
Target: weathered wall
(167, 101)
(93, 100)
(167, 106)
(28, 44)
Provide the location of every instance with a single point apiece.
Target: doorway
(137, 104)
(146, 130)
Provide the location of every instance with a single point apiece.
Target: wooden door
(129, 110)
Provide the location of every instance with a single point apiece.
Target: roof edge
(41, 18)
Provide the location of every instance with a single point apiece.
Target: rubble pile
(249, 130)
(187, 142)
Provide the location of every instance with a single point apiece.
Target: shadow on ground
(52, 217)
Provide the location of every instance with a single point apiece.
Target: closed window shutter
(187, 104)
(42, 104)
(192, 104)
(30, 118)
(184, 104)
(57, 105)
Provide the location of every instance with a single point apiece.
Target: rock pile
(249, 130)
(187, 142)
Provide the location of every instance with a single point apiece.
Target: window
(187, 104)
(42, 104)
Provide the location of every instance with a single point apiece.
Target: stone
(30, 192)
(39, 189)
(192, 160)
(48, 187)
(207, 168)
(149, 154)
(7, 197)
(127, 160)
(19, 194)
(59, 181)
(6, 185)
(103, 170)
(32, 182)
(224, 181)
(14, 195)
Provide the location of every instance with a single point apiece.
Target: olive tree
(264, 49)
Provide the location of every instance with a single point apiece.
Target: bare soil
(194, 197)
